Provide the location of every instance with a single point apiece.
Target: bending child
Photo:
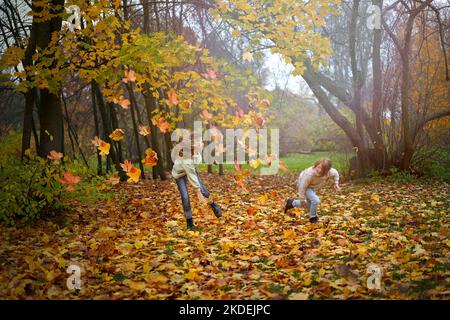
(184, 170)
(308, 182)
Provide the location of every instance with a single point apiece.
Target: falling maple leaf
(117, 135)
(126, 165)
(69, 180)
(134, 174)
(144, 130)
(185, 104)
(162, 124)
(172, 98)
(151, 158)
(104, 147)
(123, 102)
(130, 75)
(55, 156)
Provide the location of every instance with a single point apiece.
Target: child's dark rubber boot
(288, 205)
(190, 225)
(215, 208)
(313, 219)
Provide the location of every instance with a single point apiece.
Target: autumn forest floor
(136, 245)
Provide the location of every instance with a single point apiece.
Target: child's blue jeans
(182, 187)
(312, 202)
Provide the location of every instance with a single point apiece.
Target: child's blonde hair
(326, 164)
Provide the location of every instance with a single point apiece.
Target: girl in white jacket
(184, 170)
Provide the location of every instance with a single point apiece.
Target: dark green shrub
(31, 188)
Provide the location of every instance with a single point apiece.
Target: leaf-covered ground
(137, 246)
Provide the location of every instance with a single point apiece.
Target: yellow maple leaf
(289, 234)
(135, 285)
(156, 278)
(192, 274)
(263, 199)
(134, 174)
(299, 296)
(117, 135)
(104, 148)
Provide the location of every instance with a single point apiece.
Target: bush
(433, 162)
(31, 188)
(401, 176)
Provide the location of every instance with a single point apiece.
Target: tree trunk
(133, 109)
(115, 124)
(408, 140)
(380, 155)
(107, 130)
(97, 129)
(27, 121)
(404, 49)
(29, 96)
(168, 143)
(50, 113)
(50, 120)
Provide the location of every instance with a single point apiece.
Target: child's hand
(337, 188)
(303, 203)
(201, 198)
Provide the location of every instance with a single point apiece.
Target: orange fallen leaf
(69, 180)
